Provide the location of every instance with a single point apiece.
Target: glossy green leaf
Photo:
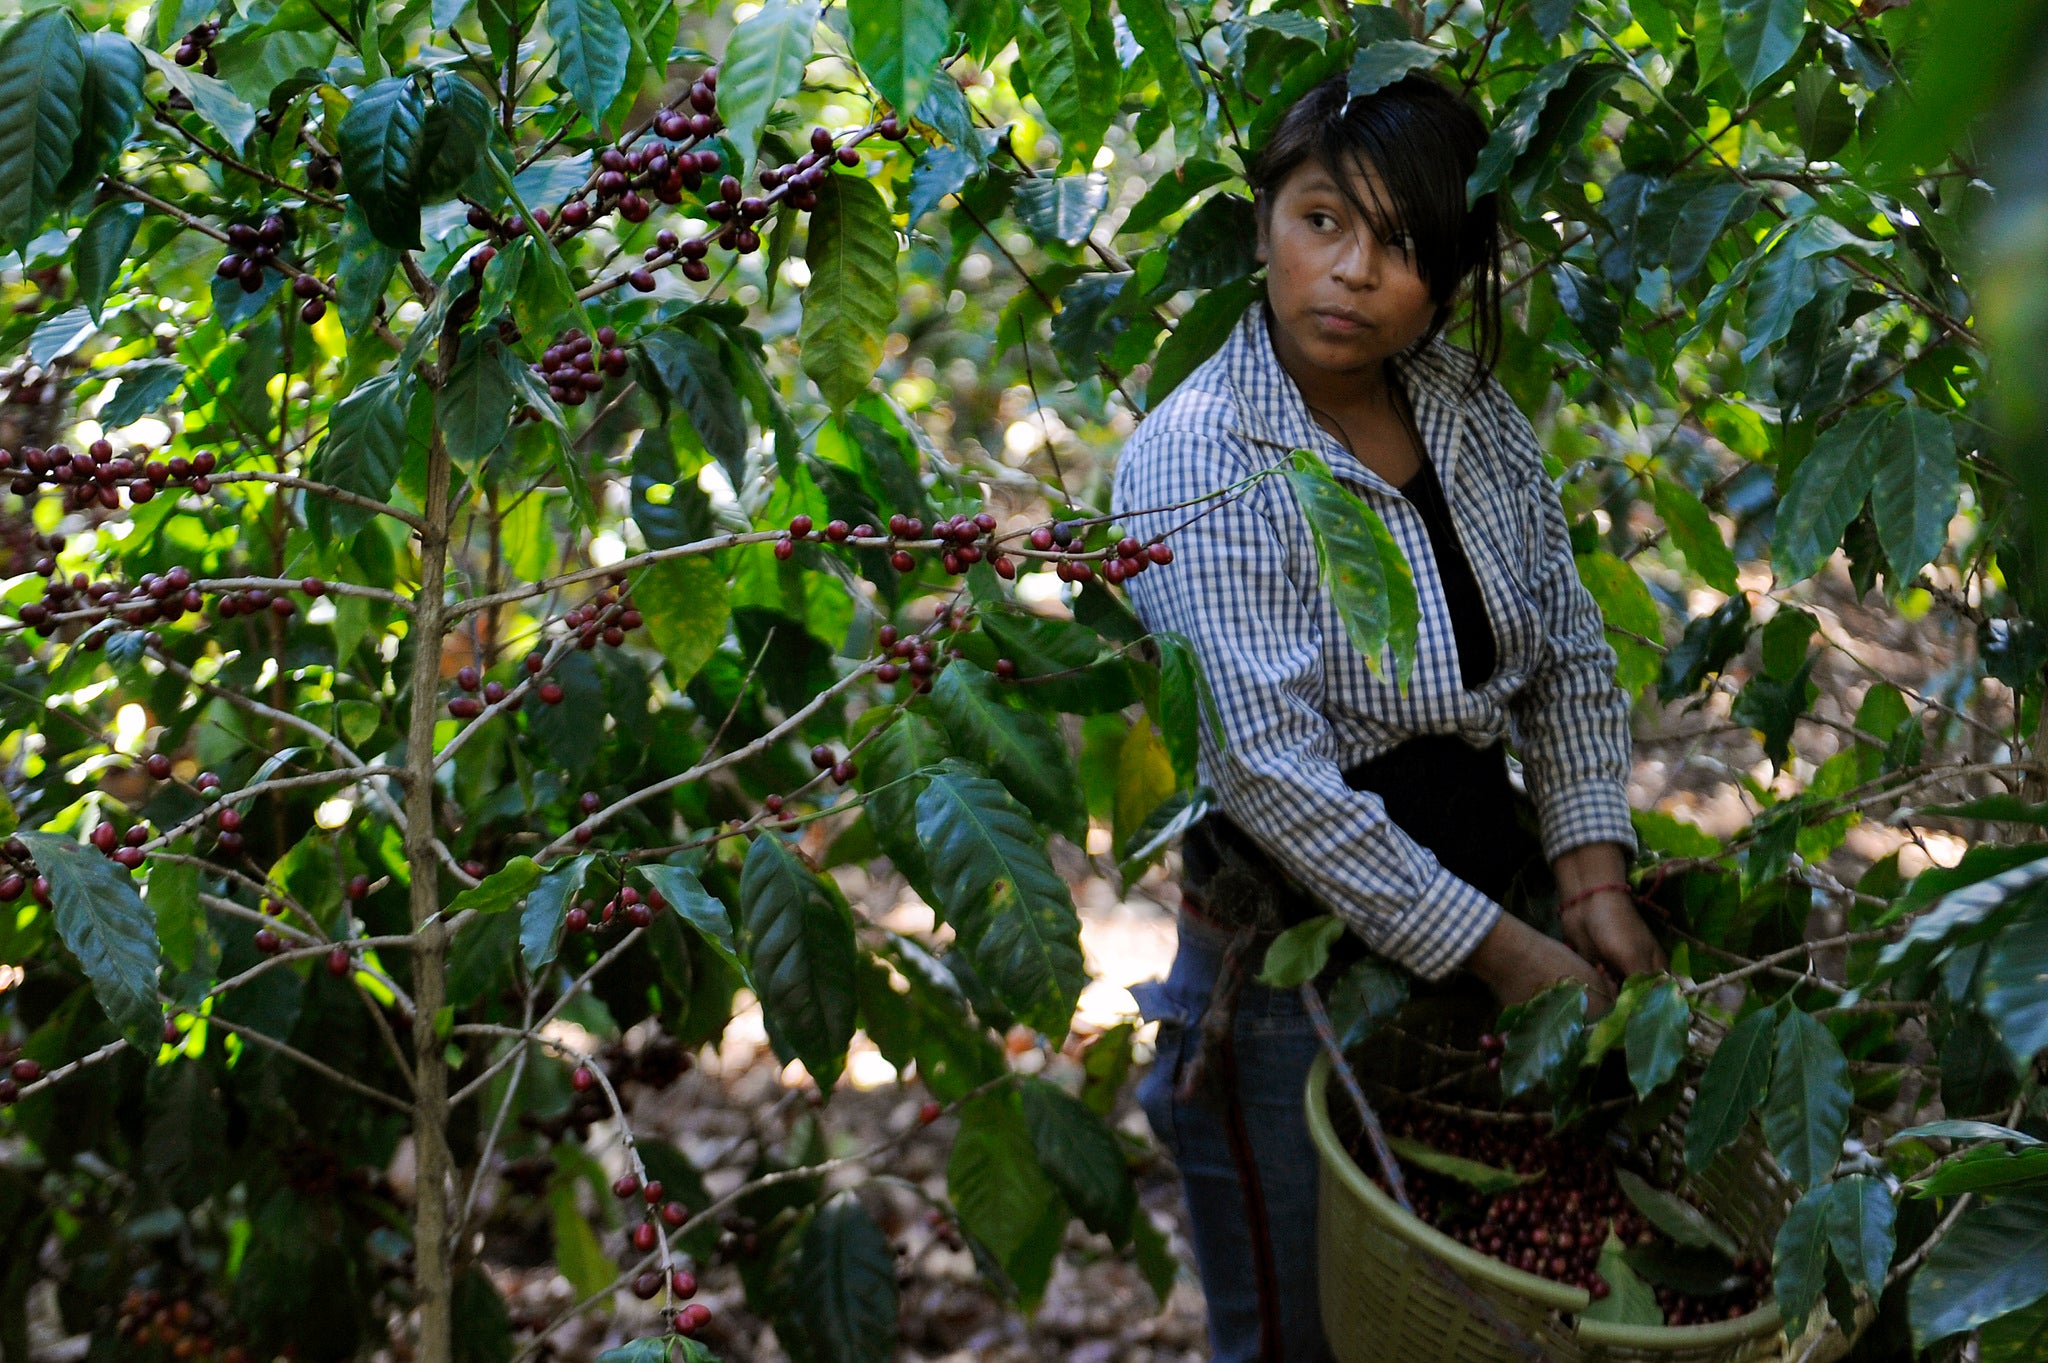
(689, 374)
(686, 605)
(1675, 1217)
(108, 100)
(365, 269)
(1071, 60)
(591, 48)
(104, 923)
(100, 250)
(846, 1283)
(696, 906)
(1629, 1300)
(1913, 493)
(547, 905)
(1010, 911)
(1299, 954)
(1953, 1129)
(1994, 1261)
(851, 299)
(578, 1254)
(2019, 1337)
(1807, 1112)
(474, 408)
(363, 452)
(1977, 1170)
(1082, 1157)
(1656, 1040)
(928, 1022)
(1686, 217)
(1172, 192)
(1544, 1039)
(764, 64)
(1062, 209)
(1374, 598)
(213, 100)
(799, 943)
(1799, 1257)
(1485, 1179)
(381, 142)
(1020, 748)
(1824, 494)
(1186, 704)
(1693, 530)
(1199, 334)
(900, 44)
(1365, 996)
(499, 890)
(144, 390)
(1517, 125)
(1380, 64)
(2013, 986)
(914, 741)
(1003, 1197)
(42, 75)
(1759, 37)
(1735, 1081)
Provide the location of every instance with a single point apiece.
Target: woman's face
(1344, 291)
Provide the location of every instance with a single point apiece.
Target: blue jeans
(1248, 1169)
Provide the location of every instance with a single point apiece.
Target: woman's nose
(1358, 263)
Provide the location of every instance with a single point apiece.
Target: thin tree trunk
(431, 1270)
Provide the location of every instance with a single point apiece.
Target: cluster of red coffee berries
(185, 1329)
(124, 848)
(196, 47)
(14, 1072)
(97, 474)
(251, 251)
(919, 657)
(576, 365)
(628, 906)
(1556, 1226)
(19, 875)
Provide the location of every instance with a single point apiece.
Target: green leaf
(1825, 119)
(851, 299)
(105, 924)
(107, 104)
(1676, 1217)
(1954, 1129)
(1003, 1197)
(59, 334)
(1993, 1262)
(591, 49)
(1518, 124)
(1799, 1257)
(42, 75)
(929, 1022)
(1544, 1039)
(1011, 912)
(1021, 748)
(1082, 1157)
(1824, 494)
(1486, 1179)
(454, 133)
(1629, 1300)
(100, 251)
(914, 741)
(1759, 37)
(1784, 283)
(578, 1254)
(698, 907)
(1807, 1112)
(1299, 954)
(1686, 217)
(2013, 986)
(363, 452)
(1380, 64)
(686, 606)
(381, 142)
(846, 1285)
(689, 373)
(1062, 209)
(1368, 994)
(547, 904)
(1361, 566)
(764, 65)
(213, 100)
(474, 408)
(364, 270)
(1697, 537)
(945, 109)
(900, 44)
(1172, 192)
(2018, 1337)
(1735, 1081)
(1913, 493)
(499, 890)
(1592, 309)
(1200, 333)
(185, 1144)
(1180, 90)
(1656, 1037)
(939, 172)
(144, 389)
(1217, 245)
(1185, 704)
(1074, 72)
(801, 955)
(1982, 1168)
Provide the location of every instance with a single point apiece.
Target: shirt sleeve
(1229, 591)
(1570, 722)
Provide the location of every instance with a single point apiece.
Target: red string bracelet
(1583, 895)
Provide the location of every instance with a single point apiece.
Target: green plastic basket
(1382, 1300)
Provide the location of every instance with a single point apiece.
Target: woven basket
(1382, 1301)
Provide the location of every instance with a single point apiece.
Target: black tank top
(1477, 654)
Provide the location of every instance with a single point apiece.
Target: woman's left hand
(1606, 929)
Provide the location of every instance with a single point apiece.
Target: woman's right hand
(1517, 962)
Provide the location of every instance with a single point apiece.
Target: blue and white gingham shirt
(1299, 705)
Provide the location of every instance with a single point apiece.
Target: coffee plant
(501, 499)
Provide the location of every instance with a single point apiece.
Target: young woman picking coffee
(1336, 790)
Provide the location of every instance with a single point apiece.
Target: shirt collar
(1273, 404)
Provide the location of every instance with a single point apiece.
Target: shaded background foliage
(1764, 247)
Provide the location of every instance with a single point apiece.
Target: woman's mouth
(1343, 323)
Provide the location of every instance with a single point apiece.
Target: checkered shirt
(1299, 704)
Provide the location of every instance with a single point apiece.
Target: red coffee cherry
(339, 963)
(644, 1238)
(928, 1114)
(582, 1080)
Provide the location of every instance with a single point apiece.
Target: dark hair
(1424, 141)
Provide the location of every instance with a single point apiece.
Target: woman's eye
(1321, 221)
